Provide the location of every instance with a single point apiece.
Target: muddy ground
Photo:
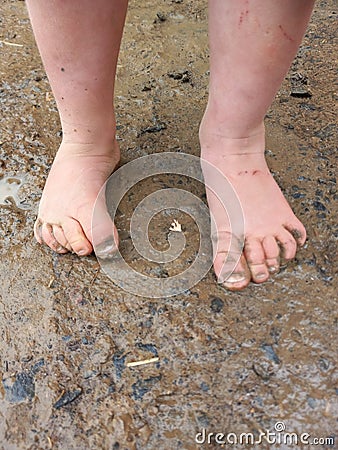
(227, 362)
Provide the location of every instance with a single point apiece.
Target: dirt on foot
(219, 361)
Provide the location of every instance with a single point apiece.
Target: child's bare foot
(64, 220)
(272, 231)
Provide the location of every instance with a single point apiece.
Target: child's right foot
(65, 212)
(271, 228)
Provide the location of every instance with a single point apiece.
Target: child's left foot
(271, 230)
(64, 221)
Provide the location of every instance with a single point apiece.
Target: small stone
(319, 206)
(20, 389)
(324, 364)
(67, 398)
(161, 17)
(311, 402)
(300, 92)
(184, 76)
(270, 353)
(205, 387)
(217, 304)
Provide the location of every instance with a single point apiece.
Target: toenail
(59, 248)
(234, 278)
(81, 252)
(106, 250)
(273, 269)
(298, 235)
(260, 276)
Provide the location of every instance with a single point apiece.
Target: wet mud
(215, 360)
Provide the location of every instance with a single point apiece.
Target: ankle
(102, 133)
(217, 142)
(106, 149)
(229, 125)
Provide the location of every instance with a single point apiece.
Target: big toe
(76, 237)
(234, 278)
(61, 238)
(104, 234)
(230, 266)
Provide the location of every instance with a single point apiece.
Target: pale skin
(252, 44)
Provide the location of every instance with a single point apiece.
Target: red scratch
(285, 34)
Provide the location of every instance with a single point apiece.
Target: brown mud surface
(227, 362)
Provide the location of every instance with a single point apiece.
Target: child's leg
(252, 44)
(79, 43)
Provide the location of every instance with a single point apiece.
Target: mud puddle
(9, 191)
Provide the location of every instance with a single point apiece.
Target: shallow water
(214, 360)
(9, 191)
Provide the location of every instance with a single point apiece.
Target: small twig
(12, 44)
(141, 363)
(50, 443)
(61, 395)
(94, 277)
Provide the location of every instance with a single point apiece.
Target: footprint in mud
(9, 189)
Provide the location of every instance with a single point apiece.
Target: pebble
(67, 398)
(217, 304)
(23, 388)
(270, 353)
(319, 206)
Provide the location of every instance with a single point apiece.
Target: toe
(271, 250)
(298, 232)
(238, 278)
(104, 234)
(230, 266)
(227, 250)
(60, 237)
(287, 244)
(37, 231)
(76, 237)
(255, 257)
(49, 238)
